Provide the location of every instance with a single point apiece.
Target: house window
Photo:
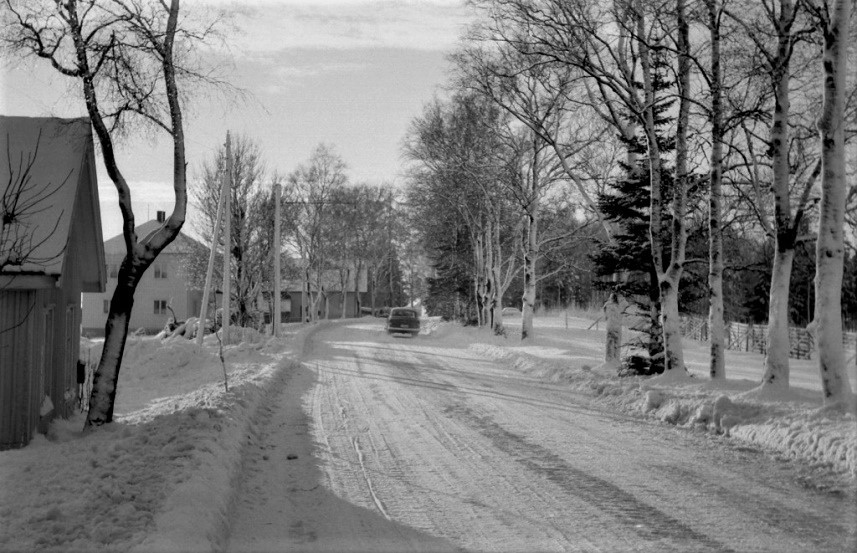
(160, 272)
(107, 306)
(160, 307)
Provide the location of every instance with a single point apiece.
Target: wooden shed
(50, 251)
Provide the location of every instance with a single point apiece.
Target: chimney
(162, 216)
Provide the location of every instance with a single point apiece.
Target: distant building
(50, 251)
(163, 284)
(295, 295)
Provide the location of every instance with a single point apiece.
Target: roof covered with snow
(181, 245)
(48, 181)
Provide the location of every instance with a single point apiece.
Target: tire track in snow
(378, 503)
(459, 447)
(646, 521)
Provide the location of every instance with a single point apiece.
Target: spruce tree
(627, 266)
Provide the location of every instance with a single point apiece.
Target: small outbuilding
(51, 250)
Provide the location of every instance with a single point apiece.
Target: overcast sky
(352, 73)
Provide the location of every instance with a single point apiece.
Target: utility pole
(226, 193)
(275, 319)
(215, 237)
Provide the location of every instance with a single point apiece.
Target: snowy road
(385, 443)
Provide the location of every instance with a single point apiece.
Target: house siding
(42, 349)
(40, 338)
(334, 300)
(17, 347)
(184, 301)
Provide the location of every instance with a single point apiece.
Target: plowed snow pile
(793, 423)
(160, 474)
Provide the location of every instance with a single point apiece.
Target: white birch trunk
(776, 374)
(830, 245)
(358, 305)
(777, 358)
(716, 327)
(481, 295)
(613, 347)
(529, 297)
(496, 270)
(673, 348)
(668, 280)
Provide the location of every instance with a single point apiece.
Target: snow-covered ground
(159, 477)
(163, 476)
(793, 423)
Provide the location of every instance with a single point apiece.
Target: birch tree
(251, 218)
(536, 95)
(717, 357)
(457, 152)
(779, 22)
(129, 58)
(617, 48)
(834, 23)
(311, 189)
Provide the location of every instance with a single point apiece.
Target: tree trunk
(357, 300)
(496, 270)
(830, 249)
(777, 357)
(479, 282)
(670, 280)
(530, 256)
(344, 289)
(373, 282)
(668, 289)
(490, 275)
(138, 256)
(716, 327)
(307, 305)
(103, 395)
(326, 301)
(613, 347)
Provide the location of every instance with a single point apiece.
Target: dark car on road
(403, 320)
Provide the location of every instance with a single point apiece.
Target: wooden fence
(750, 337)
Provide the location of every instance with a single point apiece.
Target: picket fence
(750, 337)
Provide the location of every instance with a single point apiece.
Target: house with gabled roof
(162, 291)
(295, 296)
(50, 252)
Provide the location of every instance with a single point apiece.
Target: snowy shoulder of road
(791, 423)
(158, 478)
(163, 476)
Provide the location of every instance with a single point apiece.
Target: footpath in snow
(163, 477)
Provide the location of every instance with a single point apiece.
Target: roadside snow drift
(160, 477)
(793, 423)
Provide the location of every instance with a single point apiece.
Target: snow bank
(160, 478)
(793, 424)
(195, 517)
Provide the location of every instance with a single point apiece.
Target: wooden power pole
(226, 193)
(275, 318)
(215, 238)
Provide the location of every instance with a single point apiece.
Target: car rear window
(405, 313)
